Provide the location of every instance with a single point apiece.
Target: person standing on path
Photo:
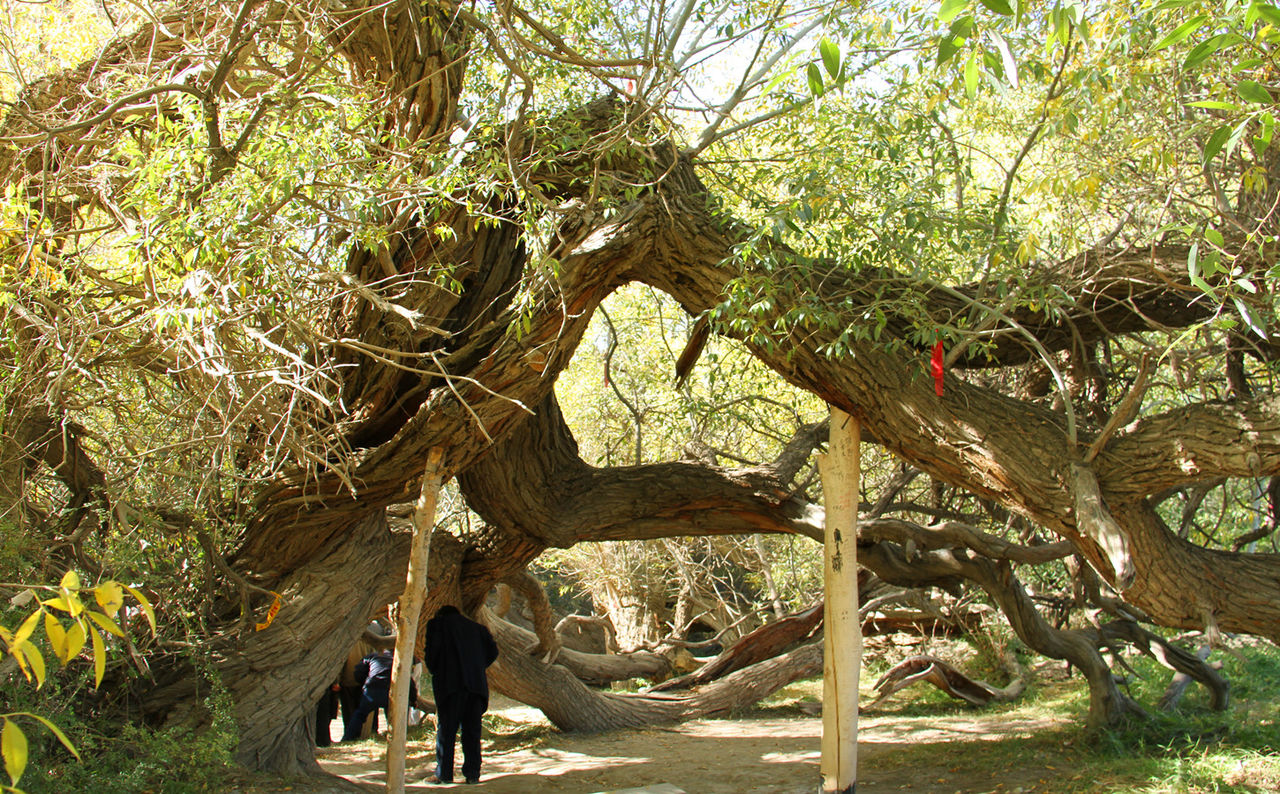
(458, 650)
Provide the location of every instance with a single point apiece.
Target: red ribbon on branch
(936, 367)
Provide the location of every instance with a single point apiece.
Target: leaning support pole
(842, 640)
(410, 609)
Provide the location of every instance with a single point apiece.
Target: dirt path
(767, 754)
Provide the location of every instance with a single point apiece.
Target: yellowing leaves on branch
(68, 622)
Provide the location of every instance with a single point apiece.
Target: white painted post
(840, 468)
(415, 591)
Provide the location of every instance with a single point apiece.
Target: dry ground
(771, 752)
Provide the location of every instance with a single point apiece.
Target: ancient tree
(259, 259)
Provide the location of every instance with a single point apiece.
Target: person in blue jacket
(458, 651)
(373, 673)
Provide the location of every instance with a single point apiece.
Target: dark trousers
(370, 701)
(459, 710)
(349, 697)
(326, 710)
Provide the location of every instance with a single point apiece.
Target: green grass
(1188, 751)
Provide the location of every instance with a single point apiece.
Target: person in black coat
(373, 672)
(458, 651)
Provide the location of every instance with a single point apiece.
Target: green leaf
(1265, 10)
(1006, 57)
(830, 57)
(13, 745)
(1213, 104)
(1234, 139)
(1203, 286)
(962, 27)
(1181, 32)
(1252, 91)
(1201, 52)
(947, 48)
(1168, 4)
(1250, 319)
(1216, 140)
(950, 8)
(972, 71)
(1061, 25)
(999, 6)
(1268, 129)
(815, 80)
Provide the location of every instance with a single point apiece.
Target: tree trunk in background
(765, 642)
(593, 669)
(626, 603)
(572, 706)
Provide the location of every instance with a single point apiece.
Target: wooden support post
(842, 638)
(410, 609)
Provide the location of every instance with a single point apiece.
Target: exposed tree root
(572, 706)
(933, 670)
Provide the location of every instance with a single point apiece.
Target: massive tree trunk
(275, 674)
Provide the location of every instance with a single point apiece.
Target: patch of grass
(1188, 751)
(509, 734)
(127, 758)
(119, 757)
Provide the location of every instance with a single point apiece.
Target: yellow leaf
(108, 625)
(75, 640)
(146, 607)
(57, 638)
(35, 659)
(57, 602)
(99, 658)
(110, 597)
(70, 581)
(13, 745)
(21, 659)
(75, 605)
(28, 626)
